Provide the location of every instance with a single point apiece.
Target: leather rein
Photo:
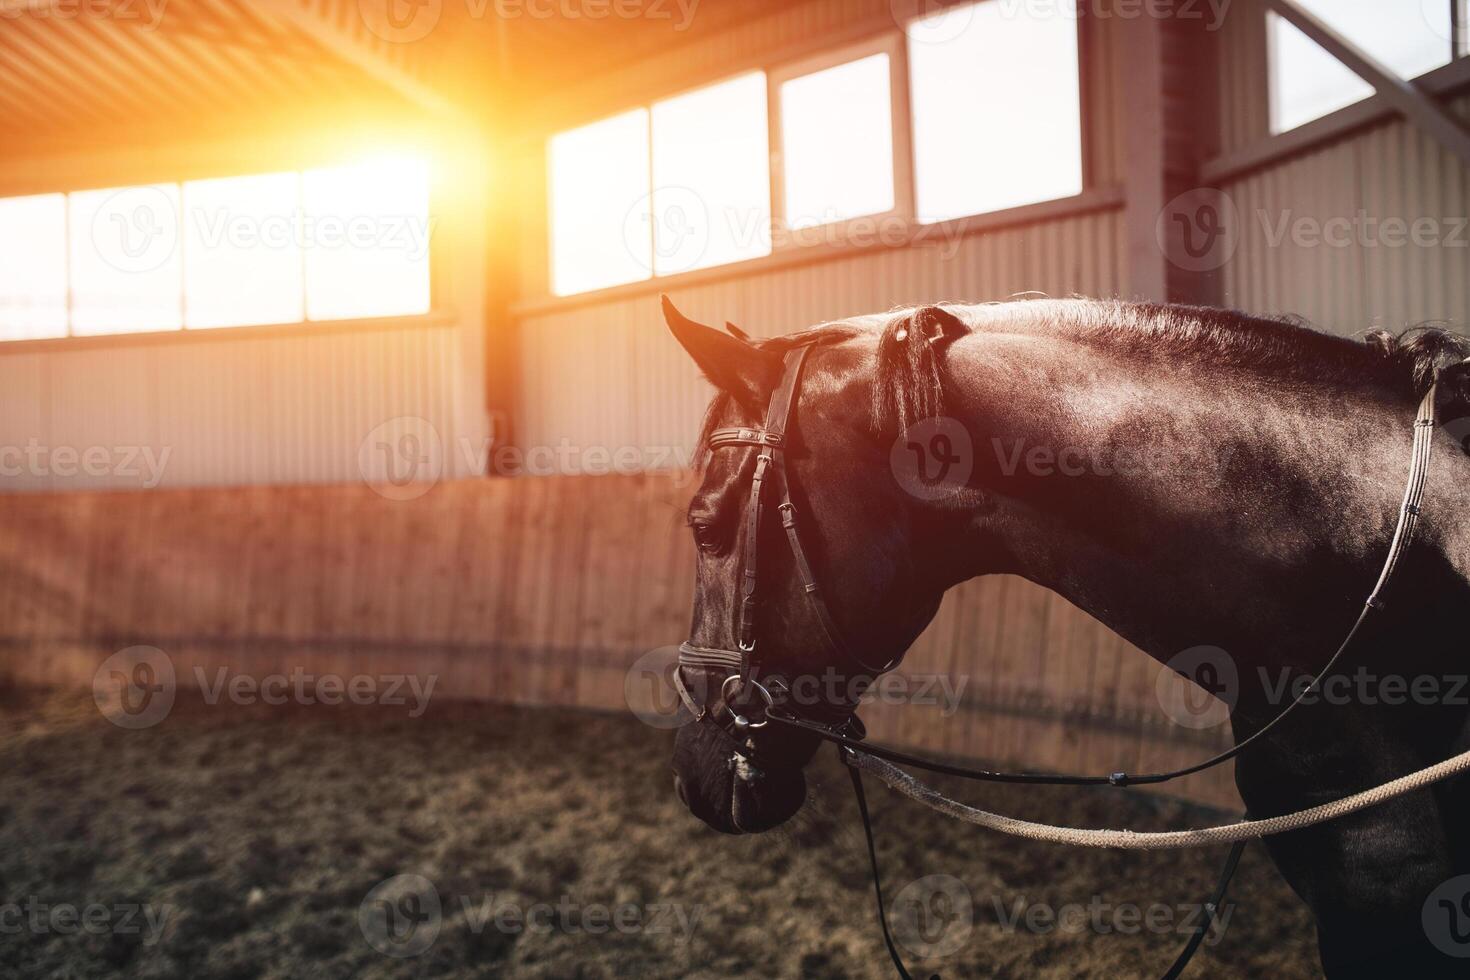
(746, 703)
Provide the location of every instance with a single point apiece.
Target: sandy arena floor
(243, 842)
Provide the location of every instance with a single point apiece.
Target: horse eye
(705, 536)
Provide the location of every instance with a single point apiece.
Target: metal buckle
(741, 721)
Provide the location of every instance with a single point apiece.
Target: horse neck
(1178, 506)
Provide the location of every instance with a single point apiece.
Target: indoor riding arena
(734, 488)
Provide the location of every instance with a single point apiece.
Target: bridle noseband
(745, 703)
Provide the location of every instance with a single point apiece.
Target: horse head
(811, 577)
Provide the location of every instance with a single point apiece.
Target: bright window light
(711, 176)
(243, 257)
(126, 264)
(33, 267)
(996, 107)
(366, 234)
(837, 143)
(599, 184)
(1410, 38)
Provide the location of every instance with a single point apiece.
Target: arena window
(234, 274)
(336, 243)
(598, 174)
(841, 111)
(33, 267)
(681, 186)
(688, 183)
(1307, 82)
(711, 200)
(997, 118)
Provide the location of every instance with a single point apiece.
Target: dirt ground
(244, 842)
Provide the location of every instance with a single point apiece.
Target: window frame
(894, 45)
(840, 235)
(1459, 48)
(439, 313)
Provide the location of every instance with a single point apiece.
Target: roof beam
(354, 50)
(1420, 108)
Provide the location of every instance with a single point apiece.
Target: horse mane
(909, 380)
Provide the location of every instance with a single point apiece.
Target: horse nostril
(679, 790)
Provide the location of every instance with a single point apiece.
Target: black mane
(909, 379)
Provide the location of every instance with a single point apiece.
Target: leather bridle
(744, 703)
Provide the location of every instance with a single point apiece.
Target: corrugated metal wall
(1373, 187)
(610, 375)
(248, 409)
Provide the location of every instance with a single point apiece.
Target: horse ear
(934, 325)
(730, 363)
(736, 332)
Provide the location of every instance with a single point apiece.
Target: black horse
(1264, 543)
